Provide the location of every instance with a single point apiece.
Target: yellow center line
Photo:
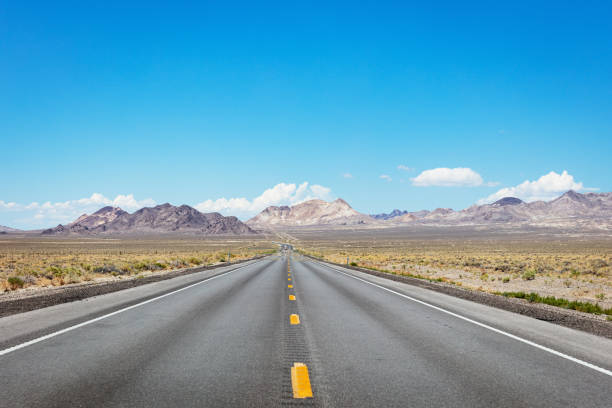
(290, 286)
(291, 297)
(294, 319)
(300, 381)
(288, 278)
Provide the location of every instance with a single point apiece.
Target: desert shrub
(108, 268)
(55, 271)
(503, 268)
(529, 274)
(15, 282)
(353, 263)
(29, 279)
(598, 263)
(178, 263)
(195, 261)
(506, 279)
(472, 262)
(125, 270)
(560, 302)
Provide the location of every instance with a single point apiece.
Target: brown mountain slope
(164, 218)
(571, 209)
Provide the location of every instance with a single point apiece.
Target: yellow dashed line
(300, 381)
(288, 278)
(291, 297)
(294, 319)
(290, 286)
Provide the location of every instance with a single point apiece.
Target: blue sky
(189, 102)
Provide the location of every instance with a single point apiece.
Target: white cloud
(385, 177)
(445, 177)
(37, 215)
(547, 187)
(347, 175)
(8, 206)
(320, 191)
(280, 194)
(404, 168)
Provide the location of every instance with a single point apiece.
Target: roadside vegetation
(565, 273)
(38, 262)
(560, 302)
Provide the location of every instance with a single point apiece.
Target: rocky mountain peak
(308, 213)
(508, 201)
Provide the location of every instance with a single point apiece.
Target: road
(225, 338)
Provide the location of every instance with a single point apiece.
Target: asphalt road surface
(225, 338)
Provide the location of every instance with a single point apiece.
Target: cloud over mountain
(545, 188)
(38, 214)
(280, 194)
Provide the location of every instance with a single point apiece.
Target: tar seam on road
(116, 312)
(295, 349)
(498, 331)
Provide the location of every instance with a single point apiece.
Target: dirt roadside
(24, 301)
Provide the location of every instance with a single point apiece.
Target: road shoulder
(569, 318)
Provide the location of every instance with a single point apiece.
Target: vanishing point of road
(287, 330)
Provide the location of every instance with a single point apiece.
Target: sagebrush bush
(15, 282)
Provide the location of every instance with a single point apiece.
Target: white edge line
(116, 312)
(467, 319)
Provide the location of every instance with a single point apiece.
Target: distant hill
(571, 210)
(6, 230)
(310, 213)
(164, 218)
(392, 214)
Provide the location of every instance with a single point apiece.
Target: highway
(232, 337)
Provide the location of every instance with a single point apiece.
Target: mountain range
(571, 210)
(165, 218)
(5, 230)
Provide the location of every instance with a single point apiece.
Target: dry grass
(578, 270)
(35, 261)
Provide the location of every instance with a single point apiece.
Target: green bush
(353, 263)
(529, 274)
(195, 261)
(15, 282)
(56, 271)
(560, 302)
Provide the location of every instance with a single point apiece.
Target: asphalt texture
(224, 339)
